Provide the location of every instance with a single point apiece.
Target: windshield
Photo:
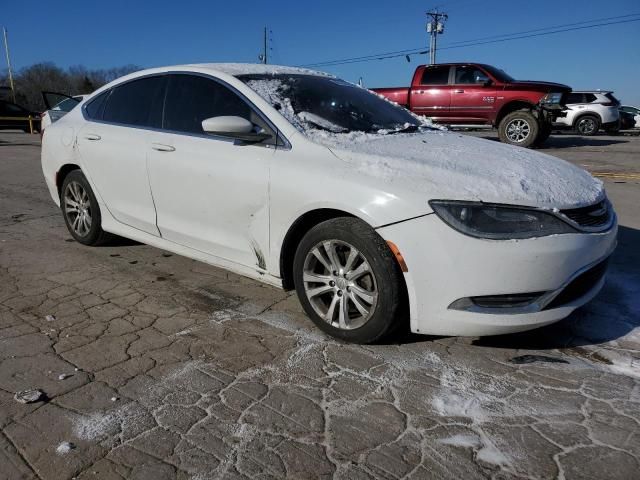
(330, 104)
(498, 74)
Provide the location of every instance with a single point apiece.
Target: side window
(435, 76)
(192, 98)
(589, 97)
(95, 107)
(470, 75)
(137, 103)
(574, 98)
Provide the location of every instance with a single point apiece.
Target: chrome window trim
(277, 133)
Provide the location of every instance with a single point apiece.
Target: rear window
(589, 97)
(136, 103)
(435, 76)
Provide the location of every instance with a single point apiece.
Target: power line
(481, 41)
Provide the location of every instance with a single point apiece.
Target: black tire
(543, 134)
(389, 310)
(519, 128)
(587, 125)
(94, 235)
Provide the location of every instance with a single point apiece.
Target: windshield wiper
(406, 129)
(322, 123)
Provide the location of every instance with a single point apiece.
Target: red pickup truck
(474, 94)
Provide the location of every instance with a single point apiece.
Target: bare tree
(46, 76)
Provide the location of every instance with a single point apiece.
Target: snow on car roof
(236, 69)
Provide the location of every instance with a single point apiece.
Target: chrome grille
(593, 216)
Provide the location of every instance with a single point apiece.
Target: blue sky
(164, 32)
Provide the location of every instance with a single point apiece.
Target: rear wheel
(519, 128)
(81, 211)
(587, 125)
(348, 281)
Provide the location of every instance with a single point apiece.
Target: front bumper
(445, 267)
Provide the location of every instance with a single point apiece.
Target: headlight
(551, 99)
(498, 222)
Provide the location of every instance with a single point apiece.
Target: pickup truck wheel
(588, 125)
(519, 128)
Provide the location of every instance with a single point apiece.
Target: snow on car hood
(448, 165)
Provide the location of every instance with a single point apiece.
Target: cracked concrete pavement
(181, 370)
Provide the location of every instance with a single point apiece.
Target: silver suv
(588, 111)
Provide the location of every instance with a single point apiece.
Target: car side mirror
(234, 127)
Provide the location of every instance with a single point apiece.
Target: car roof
(236, 69)
(592, 91)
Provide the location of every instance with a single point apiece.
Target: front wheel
(519, 128)
(348, 281)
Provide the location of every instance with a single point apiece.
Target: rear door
(473, 95)
(432, 95)
(114, 145)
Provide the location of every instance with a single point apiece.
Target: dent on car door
(211, 193)
(114, 146)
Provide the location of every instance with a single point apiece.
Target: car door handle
(458, 91)
(161, 147)
(92, 136)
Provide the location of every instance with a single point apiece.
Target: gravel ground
(156, 366)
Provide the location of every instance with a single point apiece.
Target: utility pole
(263, 57)
(6, 49)
(435, 27)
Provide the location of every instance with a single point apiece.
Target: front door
(473, 96)
(211, 193)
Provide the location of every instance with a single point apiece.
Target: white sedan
(307, 182)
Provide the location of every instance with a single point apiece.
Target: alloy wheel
(586, 126)
(77, 208)
(518, 130)
(340, 284)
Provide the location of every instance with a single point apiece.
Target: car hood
(447, 165)
(539, 86)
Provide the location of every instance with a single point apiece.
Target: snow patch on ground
(64, 448)
(484, 449)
